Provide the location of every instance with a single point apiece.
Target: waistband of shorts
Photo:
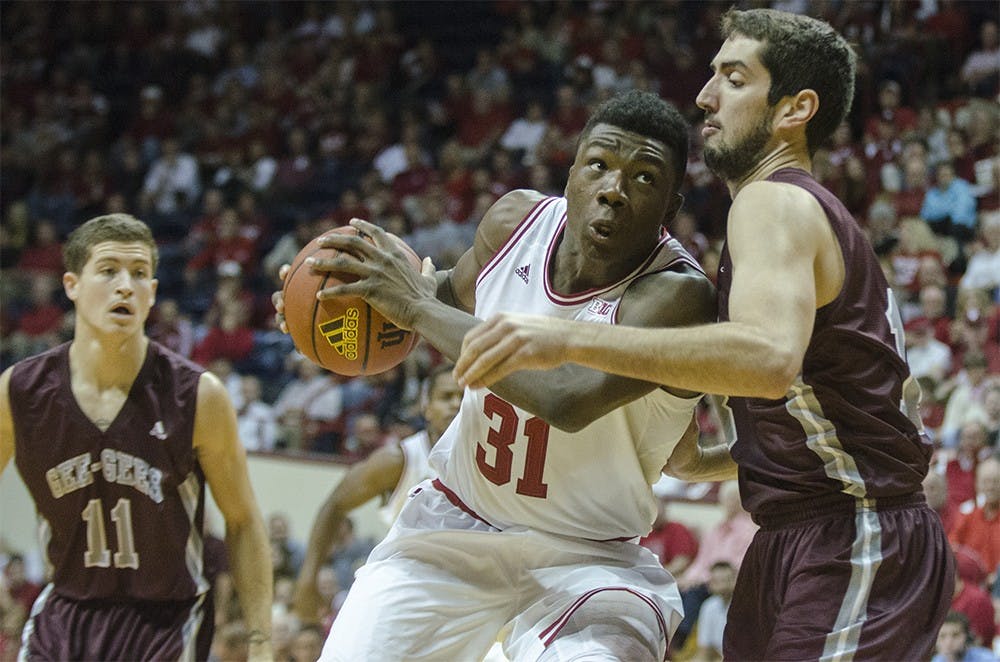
(832, 506)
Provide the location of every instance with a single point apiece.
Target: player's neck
(107, 362)
(781, 157)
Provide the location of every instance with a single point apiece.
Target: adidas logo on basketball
(342, 333)
(523, 272)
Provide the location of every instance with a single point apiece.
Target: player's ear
(797, 109)
(70, 281)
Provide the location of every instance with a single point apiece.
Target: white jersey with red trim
(416, 449)
(509, 467)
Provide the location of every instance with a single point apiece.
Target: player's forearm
(250, 560)
(726, 358)
(553, 395)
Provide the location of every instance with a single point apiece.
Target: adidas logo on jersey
(158, 431)
(523, 272)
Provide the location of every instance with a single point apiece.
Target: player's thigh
(405, 609)
(626, 607)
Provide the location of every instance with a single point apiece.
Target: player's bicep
(773, 243)
(6, 421)
(220, 453)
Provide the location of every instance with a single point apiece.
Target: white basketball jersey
(416, 469)
(510, 467)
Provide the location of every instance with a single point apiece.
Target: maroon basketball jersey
(849, 424)
(121, 510)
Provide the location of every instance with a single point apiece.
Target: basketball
(344, 335)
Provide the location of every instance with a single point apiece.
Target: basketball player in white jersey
(529, 532)
(391, 471)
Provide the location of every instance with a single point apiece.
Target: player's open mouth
(601, 231)
(121, 310)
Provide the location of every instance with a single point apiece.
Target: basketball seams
(296, 265)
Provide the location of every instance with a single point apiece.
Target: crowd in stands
(239, 131)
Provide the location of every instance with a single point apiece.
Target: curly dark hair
(648, 115)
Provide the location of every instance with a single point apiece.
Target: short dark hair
(648, 115)
(959, 618)
(801, 53)
(110, 227)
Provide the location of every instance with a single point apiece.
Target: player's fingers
(353, 244)
(427, 267)
(358, 288)
(375, 232)
(283, 271)
(278, 301)
(492, 365)
(342, 263)
(482, 348)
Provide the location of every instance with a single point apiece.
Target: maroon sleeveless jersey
(121, 511)
(848, 427)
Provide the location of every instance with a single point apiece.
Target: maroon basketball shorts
(64, 629)
(872, 580)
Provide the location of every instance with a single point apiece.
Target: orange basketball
(344, 335)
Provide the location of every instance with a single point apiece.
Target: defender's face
(443, 402)
(619, 193)
(115, 290)
(737, 115)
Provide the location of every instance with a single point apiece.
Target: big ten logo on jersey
(115, 466)
(601, 308)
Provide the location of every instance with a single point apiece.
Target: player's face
(115, 290)
(619, 193)
(443, 401)
(738, 119)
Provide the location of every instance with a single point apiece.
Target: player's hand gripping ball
(344, 335)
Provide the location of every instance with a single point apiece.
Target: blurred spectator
(971, 598)
(981, 69)
(936, 489)
(279, 532)
(961, 469)
(309, 405)
(307, 644)
(712, 616)
(926, 355)
(258, 424)
(43, 253)
(726, 541)
(230, 338)
(934, 309)
(228, 247)
(364, 436)
(916, 241)
(171, 327)
(525, 133)
(891, 110)
(950, 205)
(349, 554)
(983, 268)
(172, 185)
(955, 643)
(978, 525)
(672, 542)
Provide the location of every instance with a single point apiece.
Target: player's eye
(645, 178)
(597, 164)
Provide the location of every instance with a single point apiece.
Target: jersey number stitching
(502, 438)
(97, 554)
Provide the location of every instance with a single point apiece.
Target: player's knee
(597, 631)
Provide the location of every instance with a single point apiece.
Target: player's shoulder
(506, 214)
(774, 197)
